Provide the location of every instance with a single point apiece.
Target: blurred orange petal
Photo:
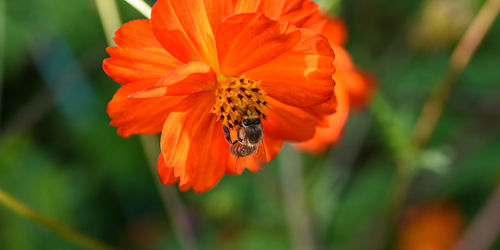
(435, 226)
(335, 31)
(292, 123)
(324, 137)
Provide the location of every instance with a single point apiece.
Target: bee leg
(228, 139)
(226, 130)
(228, 136)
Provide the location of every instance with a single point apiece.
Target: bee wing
(260, 156)
(253, 162)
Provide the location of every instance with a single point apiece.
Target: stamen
(238, 97)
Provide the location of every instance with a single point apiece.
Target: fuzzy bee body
(249, 136)
(242, 150)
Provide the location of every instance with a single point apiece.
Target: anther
(237, 98)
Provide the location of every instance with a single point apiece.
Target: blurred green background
(59, 155)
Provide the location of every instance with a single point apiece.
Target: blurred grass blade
(395, 132)
(63, 230)
(141, 6)
(329, 6)
(3, 20)
(110, 18)
(299, 223)
(468, 45)
(484, 230)
(174, 208)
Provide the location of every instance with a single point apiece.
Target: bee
(249, 136)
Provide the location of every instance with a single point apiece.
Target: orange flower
(353, 88)
(435, 226)
(211, 75)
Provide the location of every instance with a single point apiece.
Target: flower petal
(185, 27)
(139, 116)
(271, 8)
(248, 40)
(185, 80)
(194, 151)
(302, 76)
(139, 55)
(335, 31)
(242, 6)
(359, 84)
(324, 137)
(208, 155)
(303, 14)
(166, 173)
(193, 144)
(293, 123)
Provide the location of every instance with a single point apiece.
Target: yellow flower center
(237, 98)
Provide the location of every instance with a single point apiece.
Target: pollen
(237, 97)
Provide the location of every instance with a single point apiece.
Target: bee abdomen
(242, 150)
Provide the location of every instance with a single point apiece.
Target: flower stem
(174, 208)
(485, 228)
(66, 232)
(292, 185)
(141, 6)
(433, 108)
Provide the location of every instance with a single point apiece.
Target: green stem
(407, 149)
(394, 130)
(66, 232)
(468, 45)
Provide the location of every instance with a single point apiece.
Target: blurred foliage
(59, 155)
